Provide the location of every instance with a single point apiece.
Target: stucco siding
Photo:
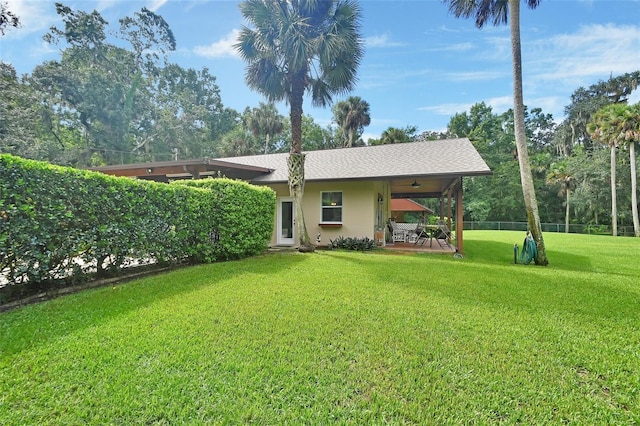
(359, 204)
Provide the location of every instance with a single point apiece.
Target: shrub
(350, 243)
(58, 224)
(244, 216)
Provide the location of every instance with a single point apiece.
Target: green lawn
(342, 337)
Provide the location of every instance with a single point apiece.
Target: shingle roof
(449, 157)
(408, 205)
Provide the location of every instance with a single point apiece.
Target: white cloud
(366, 136)
(447, 109)
(455, 47)
(102, 5)
(497, 104)
(448, 29)
(220, 49)
(41, 50)
(34, 17)
(384, 122)
(154, 5)
(498, 49)
(478, 75)
(634, 98)
(595, 51)
(500, 104)
(380, 41)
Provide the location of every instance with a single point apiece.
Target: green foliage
(265, 121)
(244, 216)
(239, 142)
(352, 116)
(351, 243)
(345, 338)
(316, 137)
(499, 196)
(103, 103)
(59, 223)
(19, 117)
(395, 135)
(287, 52)
(586, 102)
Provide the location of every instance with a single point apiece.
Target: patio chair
(397, 234)
(442, 234)
(421, 235)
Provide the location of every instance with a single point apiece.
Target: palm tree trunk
(526, 177)
(634, 189)
(295, 163)
(614, 203)
(345, 135)
(266, 144)
(296, 189)
(567, 212)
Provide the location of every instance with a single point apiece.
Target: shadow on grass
(34, 325)
(534, 292)
(500, 253)
(487, 275)
(572, 284)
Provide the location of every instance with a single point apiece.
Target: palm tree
(631, 136)
(395, 135)
(615, 125)
(294, 47)
(265, 120)
(560, 175)
(602, 129)
(352, 115)
(501, 12)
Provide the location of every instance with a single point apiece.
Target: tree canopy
(351, 116)
(113, 97)
(294, 47)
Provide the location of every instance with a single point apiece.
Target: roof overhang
(164, 171)
(423, 186)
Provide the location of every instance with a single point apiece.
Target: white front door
(286, 215)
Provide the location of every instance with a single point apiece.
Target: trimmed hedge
(58, 224)
(244, 215)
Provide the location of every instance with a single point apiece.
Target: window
(331, 207)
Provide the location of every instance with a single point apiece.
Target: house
(348, 191)
(401, 206)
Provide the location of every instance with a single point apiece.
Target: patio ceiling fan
(409, 186)
(415, 184)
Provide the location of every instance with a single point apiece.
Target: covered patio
(448, 190)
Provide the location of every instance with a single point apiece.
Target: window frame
(339, 207)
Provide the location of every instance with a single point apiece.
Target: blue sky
(421, 64)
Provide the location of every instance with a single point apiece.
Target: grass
(342, 337)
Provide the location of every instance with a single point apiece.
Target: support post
(459, 219)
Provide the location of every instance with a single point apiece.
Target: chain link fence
(549, 227)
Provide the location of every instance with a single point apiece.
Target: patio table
(428, 232)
